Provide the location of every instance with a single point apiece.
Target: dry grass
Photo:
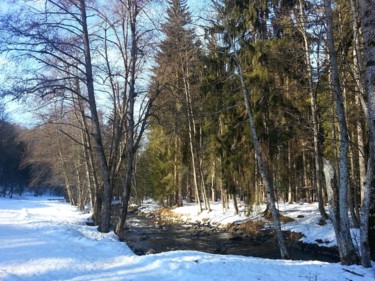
(286, 219)
(283, 219)
(294, 237)
(252, 228)
(168, 214)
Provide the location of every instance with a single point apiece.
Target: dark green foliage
(13, 177)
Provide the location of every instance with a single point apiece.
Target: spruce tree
(176, 69)
(242, 25)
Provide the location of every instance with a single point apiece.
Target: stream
(146, 235)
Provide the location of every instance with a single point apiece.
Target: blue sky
(21, 113)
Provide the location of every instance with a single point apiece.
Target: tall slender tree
(236, 25)
(132, 11)
(60, 45)
(342, 227)
(367, 12)
(312, 89)
(177, 59)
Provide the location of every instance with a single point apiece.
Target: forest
(251, 101)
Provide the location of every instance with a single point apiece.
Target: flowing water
(146, 235)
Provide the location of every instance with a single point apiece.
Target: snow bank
(306, 220)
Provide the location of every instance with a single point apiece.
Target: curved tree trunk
(265, 178)
(346, 248)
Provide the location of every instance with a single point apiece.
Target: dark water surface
(145, 234)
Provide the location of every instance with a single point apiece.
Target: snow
(306, 220)
(148, 206)
(49, 240)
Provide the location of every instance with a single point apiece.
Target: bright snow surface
(42, 239)
(306, 218)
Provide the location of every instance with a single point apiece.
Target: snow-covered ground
(306, 219)
(42, 239)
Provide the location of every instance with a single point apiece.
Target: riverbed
(146, 235)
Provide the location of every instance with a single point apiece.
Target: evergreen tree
(242, 25)
(177, 106)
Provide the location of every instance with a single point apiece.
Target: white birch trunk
(367, 11)
(346, 248)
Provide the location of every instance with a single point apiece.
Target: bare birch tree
(54, 37)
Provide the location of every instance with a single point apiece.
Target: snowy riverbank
(306, 220)
(49, 240)
(305, 215)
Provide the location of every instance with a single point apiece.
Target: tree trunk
(91, 174)
(361, 155)
(91, 177)
(190, 120)
(130, 132)
(360, 104)
(203, 186)
(359, 98)
(96, 134)
(314, 113)
(290, 189)
(188, 188)
(137, 195)
(176, 171)
(235, 204)
(357, 59)
(68, 186)
(82, 200)
(332, 194)
(206, 200)
(213, 181)
(352, 192)
(222, 189)
(304, 180)
(346, 248)
(367, 10)
(265, 178)
(352, 176)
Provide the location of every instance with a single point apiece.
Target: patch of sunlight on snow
(18, 243)
(43, 265)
